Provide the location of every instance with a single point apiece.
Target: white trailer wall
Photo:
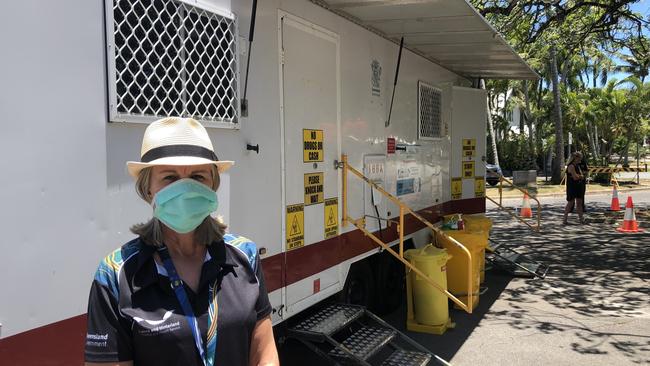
(67, 198)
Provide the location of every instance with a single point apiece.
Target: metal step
(516, 263)
(364, 343)
(328, 321)
(407, 358)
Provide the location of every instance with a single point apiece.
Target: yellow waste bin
(475, 242)
(428, 305)
(478, 222)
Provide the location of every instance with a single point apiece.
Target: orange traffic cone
(526, 211)
(629, 222)
(615, 206)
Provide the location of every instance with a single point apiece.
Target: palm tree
(637, 63)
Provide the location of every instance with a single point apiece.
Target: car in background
(492, 174)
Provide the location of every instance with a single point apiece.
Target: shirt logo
(155, 322)
(96, 340)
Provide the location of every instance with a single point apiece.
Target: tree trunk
(558, 163)
(491, 128)
(529, 121)
(592, 142)
(595, 75)
(597, 142)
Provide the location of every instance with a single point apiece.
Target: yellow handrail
(524, 191)
(361, 223)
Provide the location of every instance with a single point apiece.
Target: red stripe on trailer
(273, 268)
(317, 257)
(60, 343)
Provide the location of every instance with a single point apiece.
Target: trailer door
(310, 106)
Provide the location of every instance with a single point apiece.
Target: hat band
(178, 150)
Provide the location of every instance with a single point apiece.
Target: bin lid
(428, 252)
(473, 240)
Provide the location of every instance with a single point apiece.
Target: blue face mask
(184, 204)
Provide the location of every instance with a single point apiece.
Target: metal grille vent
(429, 112)
(171, 58)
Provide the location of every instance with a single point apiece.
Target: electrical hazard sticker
(467, 169)
(295, 222)
(469, 148)
(313, 188)
(456, 188)
(479, 187)
(331, 217)
(312, 145)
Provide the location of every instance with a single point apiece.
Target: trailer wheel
(390, 284)
(359, 288)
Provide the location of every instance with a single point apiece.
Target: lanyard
(177, 285)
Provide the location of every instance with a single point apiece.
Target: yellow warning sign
(479, 187)
(295, 226)
(312, 145)
(313, 188)
(331, 217)
(469, 148)
(456, 188)
(467, 169)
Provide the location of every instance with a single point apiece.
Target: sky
(642, 7)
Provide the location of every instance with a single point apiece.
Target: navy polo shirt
(133, 313)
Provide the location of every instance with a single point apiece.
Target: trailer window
(167, 57)
(429, 112)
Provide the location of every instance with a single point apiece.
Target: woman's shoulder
(242, 245)
(123, 253)
(110, 266)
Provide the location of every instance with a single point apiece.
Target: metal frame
(441, 129)
(115, 116)
(495, 251)
(403, 209)
(611, 171)
(509, 211)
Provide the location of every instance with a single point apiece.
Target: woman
(575, 187)
(183, 292)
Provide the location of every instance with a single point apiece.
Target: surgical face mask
(184, 204)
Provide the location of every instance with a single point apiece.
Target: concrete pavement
(593, 308)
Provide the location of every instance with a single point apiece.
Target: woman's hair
(576, 154)
(210, 230)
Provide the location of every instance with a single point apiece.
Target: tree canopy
(575, 46)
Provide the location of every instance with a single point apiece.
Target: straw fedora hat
(176, 141)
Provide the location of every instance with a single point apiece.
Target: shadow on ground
(596, 273)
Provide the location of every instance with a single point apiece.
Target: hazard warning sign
(295, 222)
(479, 187)
(313, 188)
(456, 188)
(312, 145)
(331, 217)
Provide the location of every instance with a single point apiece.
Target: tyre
(390, 283)
(359, 288)
(492, 182)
